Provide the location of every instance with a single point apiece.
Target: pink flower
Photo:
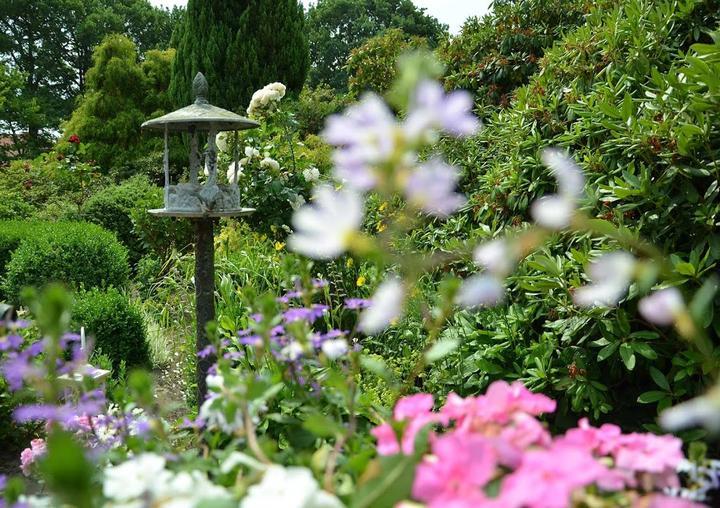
(658, 501)
(416, 411)
(386, 438)
(413, 406)
(547, 478)
(460, 465)
(29, 455)
(600, 440)
(648, 453)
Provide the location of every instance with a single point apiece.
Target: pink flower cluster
(30, 455)
(494, 452)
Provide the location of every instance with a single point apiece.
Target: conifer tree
(240, 46)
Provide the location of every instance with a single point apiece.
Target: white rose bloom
(311, 174)
(481, 291)
(291, 487)
(132, 479)
(271, 163)
(187, 490)
(385, 307)
(611, 275)
(324, 229)
(334, 348)
(251, 152)
(231, 172)
(297, 202)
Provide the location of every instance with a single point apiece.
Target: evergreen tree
(240, 46)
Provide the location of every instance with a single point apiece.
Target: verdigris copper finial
(200, 89)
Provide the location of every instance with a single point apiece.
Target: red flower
(74, 139)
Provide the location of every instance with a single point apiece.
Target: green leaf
(607, 351)
(377, 366)
(644, 350)
(67, 471)
(659, 379)
(441, 349)
(628, 356)
(650, 397)
(322, 425)
(703, 299)
(391, 483)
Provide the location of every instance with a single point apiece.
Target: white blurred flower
(132, 479)
(251, 152)
(701, 411)
(271, 163)
(662, 307)
(495, 256)
(335, 348)
(611, 275)
(311, 174)
(292, 351)
(431, 188)
(212, 409)
(385, 307)
(291, 487)
(556, 211)
(324, 229)
(481, 291)
(231, 172)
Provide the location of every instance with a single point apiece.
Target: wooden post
(204, 297)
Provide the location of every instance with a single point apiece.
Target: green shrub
(115, 325)
(12, 205)
(636, 102)
(76, 254)
(314, 106)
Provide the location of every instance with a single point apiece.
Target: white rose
(311, 174)
(291, 487)
(131, 479)
(268, 162)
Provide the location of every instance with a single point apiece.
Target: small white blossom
(130, 480)
(495, 256)
(291, 487)
(662, 307)
(251, 152)
(324, 229)
(481, 291)
(271, 163)
(292, 351)
(297, 201)
(703, 411)
(556, 211)
(385, 307)
(553, 212)
(611, 275)
(431, 188)
(311, 174)
(335, 348)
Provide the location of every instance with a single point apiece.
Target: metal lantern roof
(201, 116)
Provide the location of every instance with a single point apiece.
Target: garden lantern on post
(202, 203)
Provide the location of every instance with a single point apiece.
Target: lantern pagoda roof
(201, 116)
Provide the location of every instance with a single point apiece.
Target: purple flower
(319, 283)
(364, 137)
(277, 330)
(251, 340)
(3, 482)
(310, 315)
(244, 333)
(207, 351)
(431, 187)
(18, 368)
(35, 348)
(356, 303)
(432, 108)
(662, 307)
(290, 295)
(233, 355)
(11, 342)
(257, 317)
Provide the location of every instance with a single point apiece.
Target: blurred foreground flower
(555, 211)
(662, 307)
(701, 411)
(289, 487)
(611, 275)
(385, 307)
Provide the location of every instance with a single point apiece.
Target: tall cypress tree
(240, 46)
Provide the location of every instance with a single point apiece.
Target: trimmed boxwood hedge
(115, 325)
(78, 255)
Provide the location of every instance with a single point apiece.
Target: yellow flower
(381, 227)
(349, 263)
(383, 206)
(279, 246)
(360, 281)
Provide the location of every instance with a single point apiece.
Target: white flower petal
(495, 257)
(481, 291)
(553, 212)
(570, 178)
(385, 307)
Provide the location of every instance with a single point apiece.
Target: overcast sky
(450, 12)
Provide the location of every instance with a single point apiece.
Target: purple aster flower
(11, 342)
(18, 368)
(290, 295)
(433, 109)
(319, 283)
(251, 340)
(35, 348)
(357, 303)
(244, 333)
(233, 355)
(305, 314)
(431, 187)
(257, 317)
(207, 351)
(277, 330)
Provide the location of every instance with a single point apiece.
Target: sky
(450, 12)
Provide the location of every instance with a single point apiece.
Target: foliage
(16, 111)
(495, 54)
(76, 254)
(618, 93)
(121, 94)
(373, 65)
(314, 106)
(336, 27)
(239, 45)
(114, 325)
(50, 42)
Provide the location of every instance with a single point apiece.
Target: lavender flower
(432, 109)
(611, 275)
(662, 307)
(431, 187)
(356, 303)
(481, 291)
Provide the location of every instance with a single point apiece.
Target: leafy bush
(115, 324)
(12, 206)
(314, 106)
(639, 107)
(373, 66)
(76, 254)
(499, 52)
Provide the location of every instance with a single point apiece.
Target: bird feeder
(203, 203)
